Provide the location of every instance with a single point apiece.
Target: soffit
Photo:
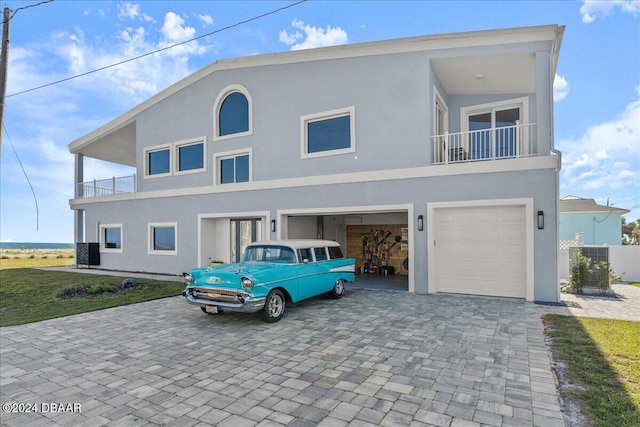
(508, 73)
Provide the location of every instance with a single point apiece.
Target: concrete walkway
(372, 358)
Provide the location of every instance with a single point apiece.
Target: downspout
(555, 49)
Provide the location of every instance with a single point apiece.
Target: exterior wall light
(540, 220)
(420, 223)
(273, 225)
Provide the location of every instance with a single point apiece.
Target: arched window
(233, 112)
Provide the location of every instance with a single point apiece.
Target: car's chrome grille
(219, 294)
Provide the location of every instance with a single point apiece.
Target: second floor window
(328, 133)
(190, 157)
(232, 113)
(159, 162)
(234, 167)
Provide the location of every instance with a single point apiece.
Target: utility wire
(25, 7)
(25, 175)
(162, 49)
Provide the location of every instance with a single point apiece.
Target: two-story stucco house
(433, 155)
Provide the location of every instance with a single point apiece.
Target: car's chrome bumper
(239, 301)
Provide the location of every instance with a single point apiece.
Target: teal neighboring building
(601, 225)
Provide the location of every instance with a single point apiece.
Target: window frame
(186, 143)
(153, 149)
(222, 95)
(103, 242)
(232, 154)
(327, 115)
(150, 238)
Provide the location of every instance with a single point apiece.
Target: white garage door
(481, 250)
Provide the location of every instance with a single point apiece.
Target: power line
(161, 49)
(25, 175)
(25, 7)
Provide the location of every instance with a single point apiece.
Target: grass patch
(30, 295)
(602, 358)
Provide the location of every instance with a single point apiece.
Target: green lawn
(30, 295)
(603, 357)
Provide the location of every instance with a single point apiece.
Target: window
(111, 238)
(321, 254)
(233, 116)
(335, 252)
(305, 255)
(175, 158)
(163, 238)
(234, 167)
(495, 129)
(328, 133)
(159, 161)
(190, 156)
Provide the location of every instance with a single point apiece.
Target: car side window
(321, 254)
(305, 255)
(335, 252)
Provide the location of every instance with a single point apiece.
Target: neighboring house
(430, 154)
(600, 225)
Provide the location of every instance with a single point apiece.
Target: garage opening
(379, 242)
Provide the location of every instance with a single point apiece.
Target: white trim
(216, 112)
(104, 249)
(217, 157)
(503, 165)
(327, 115)
(148, 150)
(408, 208)
(150, 227)
(193, 141)
(527, 203)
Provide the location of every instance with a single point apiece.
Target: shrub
(579, 271)
(100, 289)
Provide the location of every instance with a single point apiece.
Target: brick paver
(371, 358)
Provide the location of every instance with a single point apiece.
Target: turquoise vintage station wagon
(271, 274)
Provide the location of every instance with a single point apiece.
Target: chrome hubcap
(275, 306)
(339, 287)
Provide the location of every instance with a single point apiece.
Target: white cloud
(607, 156)
(560, 88)
(312, 37)
(128, 10)
(174, 30)
(592, 9)
(205, 19)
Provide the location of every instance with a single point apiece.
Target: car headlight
(247, 283)
(188, 278)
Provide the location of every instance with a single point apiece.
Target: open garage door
(481, 250)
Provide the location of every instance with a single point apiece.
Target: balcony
(106, 187)
(485, 144)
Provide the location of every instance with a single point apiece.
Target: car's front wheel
(338, 289)
(274, 306)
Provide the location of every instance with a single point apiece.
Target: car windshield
(279, 254)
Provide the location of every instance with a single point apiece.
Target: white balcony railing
(106, 187)
(484, 144)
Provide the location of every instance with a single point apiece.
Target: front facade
(429, 158)
(598, 225)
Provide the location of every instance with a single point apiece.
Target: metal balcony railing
(106, 187)
(485, 144)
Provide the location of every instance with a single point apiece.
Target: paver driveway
(372, 358)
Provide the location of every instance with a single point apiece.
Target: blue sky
(597, 87)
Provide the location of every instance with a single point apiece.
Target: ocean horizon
(35, 245)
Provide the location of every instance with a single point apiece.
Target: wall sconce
(273, 225)
(540, 220)
(420, 223)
